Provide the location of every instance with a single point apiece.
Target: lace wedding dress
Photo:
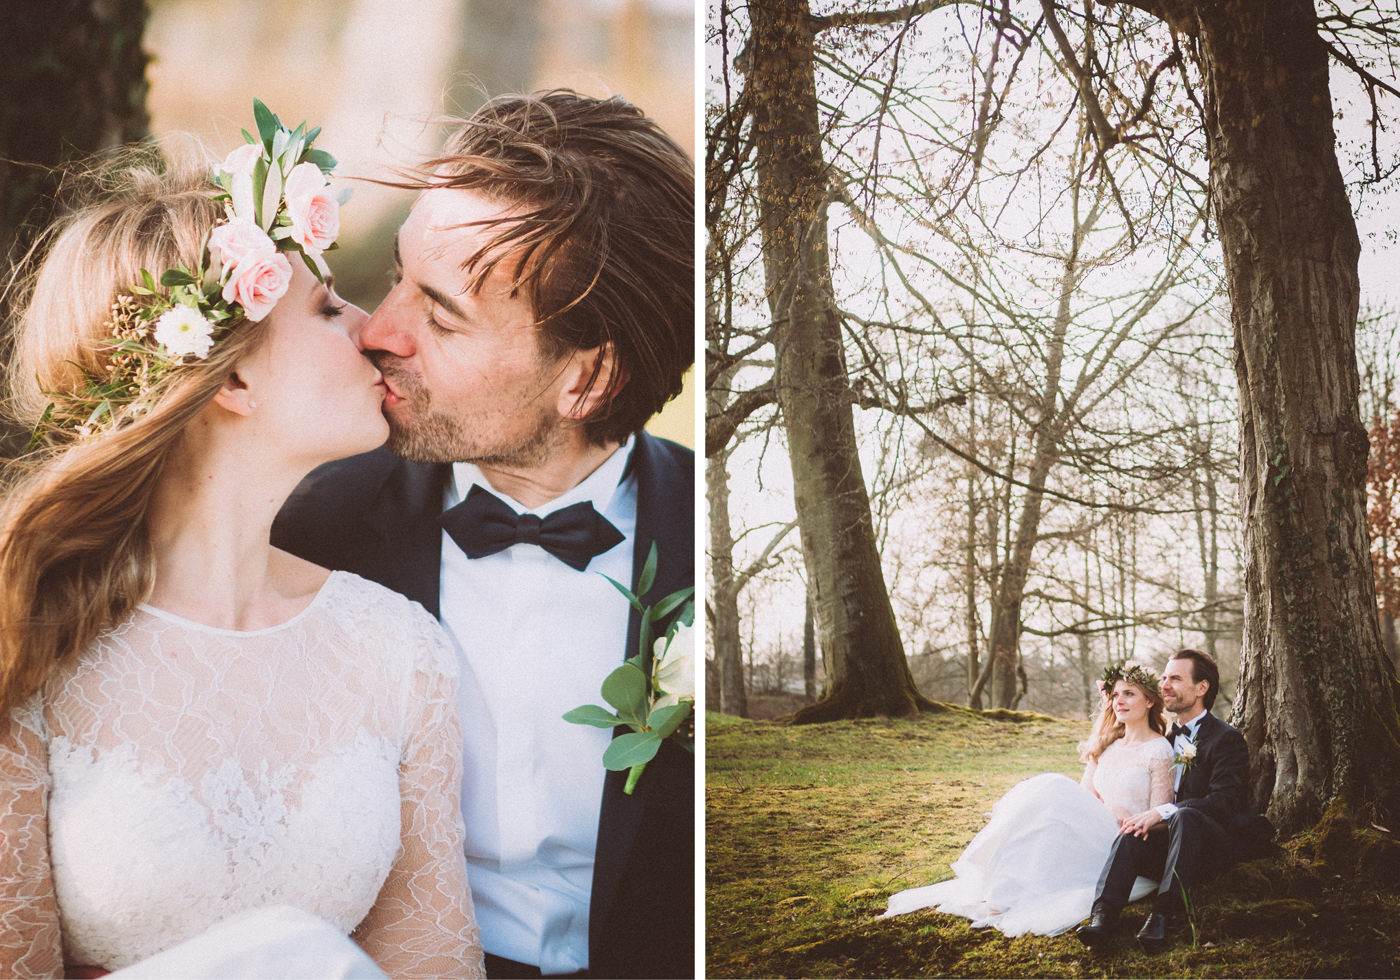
(176, 775)
(1034, 868)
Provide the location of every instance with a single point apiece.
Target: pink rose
(258, 283)
(314, 214)
(242, 160)
(239, 239)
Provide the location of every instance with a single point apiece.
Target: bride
(1035, 866)
(194, 725)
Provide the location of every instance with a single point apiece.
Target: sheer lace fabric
(1035, 866)
(176, 774)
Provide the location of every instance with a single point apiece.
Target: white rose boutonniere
(1186, 755)
(653, 699)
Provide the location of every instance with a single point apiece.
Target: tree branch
(720, 427)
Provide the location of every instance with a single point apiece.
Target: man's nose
(389, 327)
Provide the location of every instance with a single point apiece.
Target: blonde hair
(1108, 729)
(75, 552)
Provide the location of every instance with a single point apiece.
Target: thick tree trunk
(72, 83)
(867, 673)
(1317, 702)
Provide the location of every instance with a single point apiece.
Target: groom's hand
(1140, 824)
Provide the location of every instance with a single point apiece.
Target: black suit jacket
(377, 516)
(1217, 783)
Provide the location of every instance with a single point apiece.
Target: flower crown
(277, 201)
(1130, 671)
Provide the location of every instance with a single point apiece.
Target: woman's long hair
(75, 550)
(1108, 729)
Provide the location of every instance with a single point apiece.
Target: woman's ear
(235, 396)
(579, 398)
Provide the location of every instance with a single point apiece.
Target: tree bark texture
(1317, 701)
(867, 673)
(72, 83)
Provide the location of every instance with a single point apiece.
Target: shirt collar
(1194, 725)
(598, 487)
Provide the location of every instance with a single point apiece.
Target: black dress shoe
(1099, 927)
(1153, 934)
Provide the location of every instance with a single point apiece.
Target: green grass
(810, 829)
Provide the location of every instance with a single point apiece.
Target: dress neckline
(191, 624)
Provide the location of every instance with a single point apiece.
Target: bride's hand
(1140, 824)
(1121, 814)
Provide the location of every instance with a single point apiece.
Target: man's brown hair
(1203, 668)
(602, 233)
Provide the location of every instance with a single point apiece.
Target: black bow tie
(1179, 730)
(482, 525)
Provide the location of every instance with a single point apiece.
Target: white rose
(674, 672)
(1188, 751)
(183, 330)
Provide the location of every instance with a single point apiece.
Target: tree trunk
(1318, 699)
(867, 673)
(72, 83)
(970, 575)
(809, 652)
(724, 597)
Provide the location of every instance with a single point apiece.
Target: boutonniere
(654, 702)
(1185, 757)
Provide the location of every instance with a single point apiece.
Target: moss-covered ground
(810, 829)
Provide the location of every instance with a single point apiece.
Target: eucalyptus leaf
(592, 714)
(631, 749)
(322, 159)
(177, 277)
(648, 575)
(280, 141)
(664, 721)
(663, 608)
(632, 600)
(311, 136)
(267, 122)
(626, 690)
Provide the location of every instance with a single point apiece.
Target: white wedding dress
(176, 775)
(1035, 867)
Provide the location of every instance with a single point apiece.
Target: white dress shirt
(536, 638)
(1192, 728)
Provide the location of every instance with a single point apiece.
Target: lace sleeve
(1160, 772)
(30, 944)
(422, 923)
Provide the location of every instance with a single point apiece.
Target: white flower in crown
(673, 673)
(184, 331)
(239, 165)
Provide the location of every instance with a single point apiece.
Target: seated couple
(1158, 810)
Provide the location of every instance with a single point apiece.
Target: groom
(1208, 827)
(543, 312)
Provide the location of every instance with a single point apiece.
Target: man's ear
(235, 396)
(588, 376)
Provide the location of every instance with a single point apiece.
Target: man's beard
(430, 436)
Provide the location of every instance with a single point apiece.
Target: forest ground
(810, 829)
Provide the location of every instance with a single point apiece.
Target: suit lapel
(405, 515)
(665, 515)
(1194, 780)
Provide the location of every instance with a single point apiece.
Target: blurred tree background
(81, 76)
